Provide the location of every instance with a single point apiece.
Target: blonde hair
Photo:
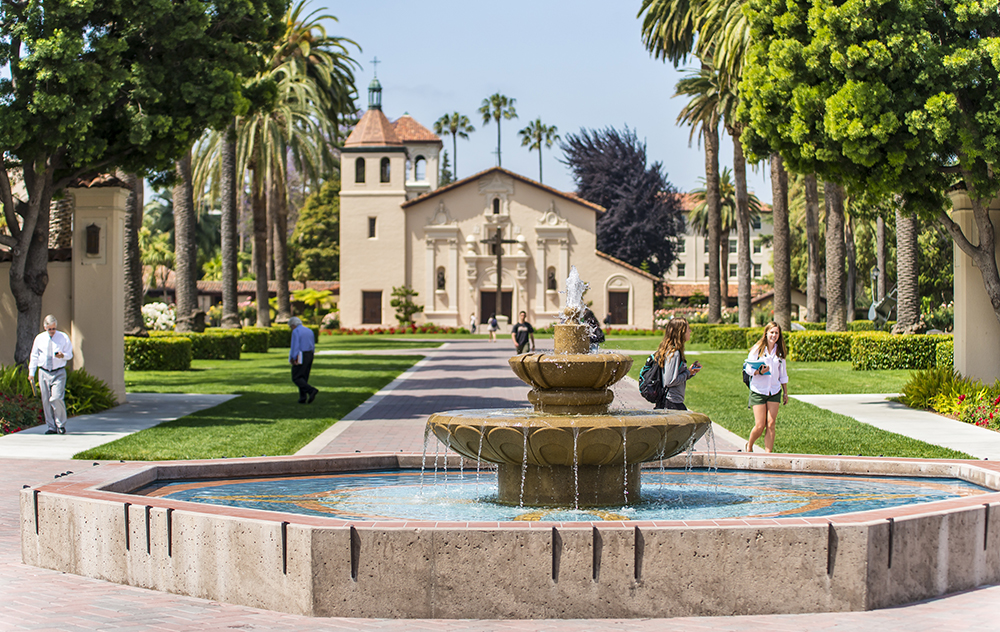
(779, 347)
(673, 340)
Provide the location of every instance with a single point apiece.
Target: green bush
(753, 334)
(925, 385)
(879, 350)
(255, 339)
(819, 346)
(212, 344)
(812, 326)
(862, 325)
(158, 353)
(724, 337)
(280, 336)
(86, 394)
(944, 354)
(14, 381)
(700, 332)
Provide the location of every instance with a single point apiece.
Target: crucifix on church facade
(497, 242)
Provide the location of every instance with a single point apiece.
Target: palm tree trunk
(812, 241)
(743, 263)
(132, 257)
(852, 268)
(454, 157)
(782, 244)
(724, 270)
(540, 162)
(881, 258)
(713, 205)
(907, 270)
(499, 163)
(835, 306)
(279, 198)
(230, 218)
(270, 227)
(185, 259)
(259, 204)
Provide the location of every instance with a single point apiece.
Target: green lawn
(719, 392)
(265, 420)
(368, 343)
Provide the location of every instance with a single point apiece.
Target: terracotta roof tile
(688, 202)
(373, 130)
(631, 267)
(409, 130)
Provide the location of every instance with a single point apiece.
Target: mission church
(399, 228)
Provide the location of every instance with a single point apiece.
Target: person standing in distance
(301, 357)
(49, 354)
(523, 334)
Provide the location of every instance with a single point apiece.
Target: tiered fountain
(573, 450)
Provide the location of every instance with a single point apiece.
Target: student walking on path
(670, 357)
(765, 364)
(50, 352)
(522, 334)
(301, 357)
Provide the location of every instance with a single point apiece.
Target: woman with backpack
(494, 327)
(765, 364)
(670, 357)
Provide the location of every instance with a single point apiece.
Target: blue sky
(576, 65)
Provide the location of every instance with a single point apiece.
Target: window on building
(681, 270)
(371, 228)
(384, 170)
(420, 169)
(756, 247)
(681, 245)
(732, 269)
(359, 171)
(706, 269)
(441, 278)
(756, 270)
(496, 206)
(755, 223)
(550, 279)
(706, 246)
(732, 246)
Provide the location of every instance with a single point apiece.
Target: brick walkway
(466, 375)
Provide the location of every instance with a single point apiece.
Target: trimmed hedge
(255, 339)
(880, 350)
(700, 332)
(158, 353)
(212, 344)
(819, 346)
(281, 335)
(724, 337)
(753, 334)
(812, 326)
(944, 354)
(862, 325)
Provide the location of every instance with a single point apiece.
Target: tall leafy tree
(137, 81)
(316, 240)
(457, 126)
(496, 107)
(537, 134)
(643, 218)
(886, 97)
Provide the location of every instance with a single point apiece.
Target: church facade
(398, 228)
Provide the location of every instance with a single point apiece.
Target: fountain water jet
(571, 450)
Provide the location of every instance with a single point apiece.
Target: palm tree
(457, 126)
(907, 269)
(496, 107)
(185, 249)
(534, 135)
(812, 244)
(782, 244)
(836, 314)
(132, 256)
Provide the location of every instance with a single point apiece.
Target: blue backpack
(651, 380)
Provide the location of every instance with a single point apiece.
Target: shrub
(158, 353)
(753, 334)
(862, 325)
(944, 354)
(280, 336)
(86, 394)
(254, 339)
(983, 410)
(700, 332)
(211, 344)
(14, 381)
(727, 337)
(924, 386)
(158, 316)
(819, 346)
(18, 412)
(879, 350)
(812, 326)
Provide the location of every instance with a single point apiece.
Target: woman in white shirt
(768, 384)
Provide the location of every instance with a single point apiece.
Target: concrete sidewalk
(876, 410)
(140, 411)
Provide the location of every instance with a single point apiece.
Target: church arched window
(550, 279)
(384, 170)
(441, 278)
(420, 169)
(359, 171)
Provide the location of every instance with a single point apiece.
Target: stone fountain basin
(571, 370)
(618, 438)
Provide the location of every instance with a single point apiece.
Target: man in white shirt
(49, 354)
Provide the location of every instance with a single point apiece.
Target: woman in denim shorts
(768, 384)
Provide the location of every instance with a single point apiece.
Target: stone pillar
(98, 286)
(977, 332)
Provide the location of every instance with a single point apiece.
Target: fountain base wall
(589, 486)
(90, 524)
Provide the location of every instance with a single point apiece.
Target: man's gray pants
(52, 387)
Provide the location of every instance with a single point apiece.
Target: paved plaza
(460, 374)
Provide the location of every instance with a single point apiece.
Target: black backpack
(651, 380)
(746, 378)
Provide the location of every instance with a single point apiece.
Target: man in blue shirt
(301, 357)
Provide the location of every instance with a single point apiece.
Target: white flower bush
(159, 316)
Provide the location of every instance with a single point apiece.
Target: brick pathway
(469, 375)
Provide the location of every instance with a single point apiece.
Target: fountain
(572, 450)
